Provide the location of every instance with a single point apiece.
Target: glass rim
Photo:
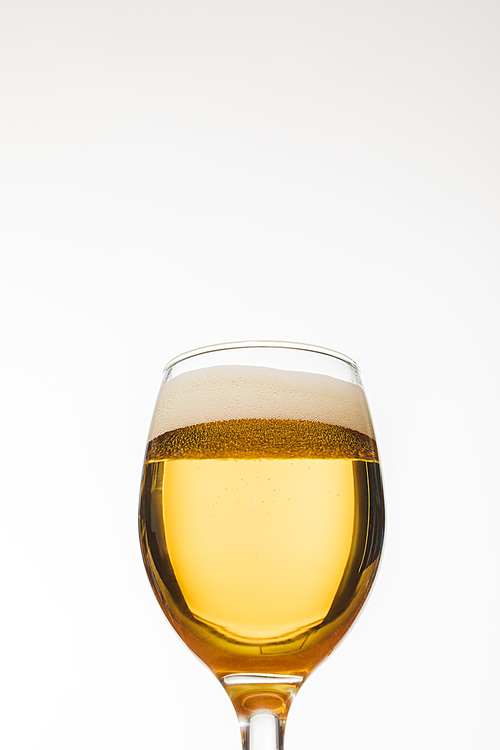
(261, 344)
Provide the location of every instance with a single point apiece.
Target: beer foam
(222, 393)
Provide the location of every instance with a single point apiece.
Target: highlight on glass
(261, 517)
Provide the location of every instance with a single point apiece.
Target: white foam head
(220, 393)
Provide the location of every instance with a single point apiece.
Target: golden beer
(261, 538)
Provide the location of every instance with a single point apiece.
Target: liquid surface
(261, 538)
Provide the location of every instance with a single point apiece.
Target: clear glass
(261, 517)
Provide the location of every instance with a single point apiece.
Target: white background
(180, 173)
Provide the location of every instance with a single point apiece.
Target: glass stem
(262, 731)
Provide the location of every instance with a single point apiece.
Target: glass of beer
(261, 517)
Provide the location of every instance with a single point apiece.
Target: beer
(261, 538)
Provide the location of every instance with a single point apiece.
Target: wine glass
(261, 517)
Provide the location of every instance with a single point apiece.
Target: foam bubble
(243, 392)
